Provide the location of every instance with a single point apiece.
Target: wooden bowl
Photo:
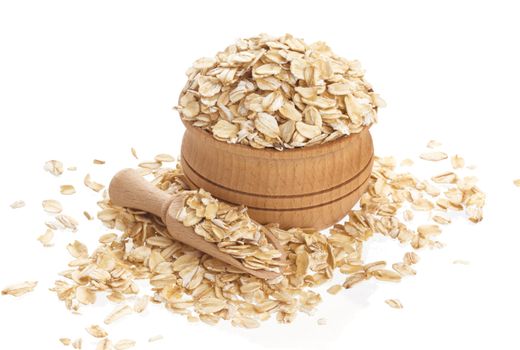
(312, 186)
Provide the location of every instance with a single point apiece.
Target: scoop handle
(129, 189)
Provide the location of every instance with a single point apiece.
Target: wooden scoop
(129, 189)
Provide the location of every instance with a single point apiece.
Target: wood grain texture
(129, 189)
(312, 186)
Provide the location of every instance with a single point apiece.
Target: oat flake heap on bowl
(278, 92)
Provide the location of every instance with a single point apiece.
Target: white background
(90, 79)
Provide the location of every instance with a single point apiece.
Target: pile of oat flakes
(201, 288)
(278, 92)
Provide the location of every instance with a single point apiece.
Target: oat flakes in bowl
(278, 92)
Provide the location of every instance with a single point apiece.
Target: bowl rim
(306, 151)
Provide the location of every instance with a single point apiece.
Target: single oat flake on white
(65, 341)
(164, 158)
(433, 144)
(77, 343)
(67, 189)
(322, 321)
(96, 331)
(457, 162)
(516, 182)
(411, 258)
(394, 303)
(334, 289)
(94, 186)
(17, 204)
(119, 312)
(155, 338)
(52, 206)
(46, 238)
(134, 153)
(55, 167)
(434, 156)
(141, 303)
(20, 288)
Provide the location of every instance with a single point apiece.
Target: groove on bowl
(307, 187)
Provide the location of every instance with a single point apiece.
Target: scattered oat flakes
(124, 344)
(394, 303)
(46, 238)
(434, 156)
(199, 287)
(67, 189)
(17, 204)
(96, 331)
(92, 184)
(119, 312)
(20, 288)
(55, 167)
(322, 321)
(52, 206)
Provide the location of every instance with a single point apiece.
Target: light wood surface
(129, 189)
(311, 187)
